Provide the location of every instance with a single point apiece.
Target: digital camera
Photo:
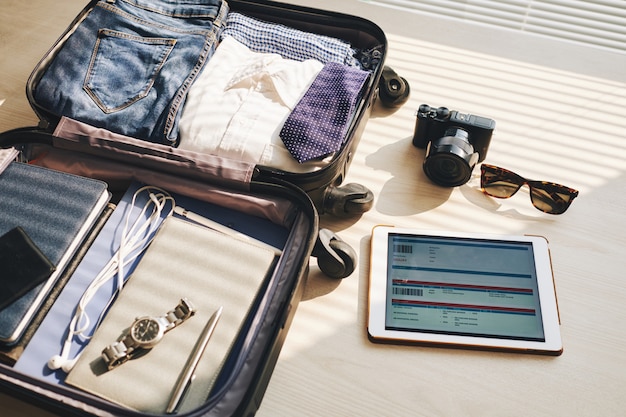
(455, 142)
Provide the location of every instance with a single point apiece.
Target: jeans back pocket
(124, 67)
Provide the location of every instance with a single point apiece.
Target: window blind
(600, 23)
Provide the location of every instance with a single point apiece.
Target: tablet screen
(469, 287)
(462, 289)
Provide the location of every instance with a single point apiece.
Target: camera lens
(450, 159)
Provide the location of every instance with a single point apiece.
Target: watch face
(146, 330)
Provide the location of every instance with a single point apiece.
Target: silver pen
(190, 367)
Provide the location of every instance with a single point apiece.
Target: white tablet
(462, 290)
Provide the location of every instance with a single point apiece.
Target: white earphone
(133, 242)
(59, 362)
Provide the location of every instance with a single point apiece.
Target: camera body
(455, 142)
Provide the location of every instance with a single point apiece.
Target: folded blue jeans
(129, 64)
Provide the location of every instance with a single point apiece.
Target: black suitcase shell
(245, 380)
(324, 185)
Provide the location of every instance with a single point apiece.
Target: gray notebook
(57, 210)
(184, 260)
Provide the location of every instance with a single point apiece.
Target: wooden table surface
(559, 109)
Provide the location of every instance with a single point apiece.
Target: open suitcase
(274, 206)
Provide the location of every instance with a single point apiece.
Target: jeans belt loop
(221, 14)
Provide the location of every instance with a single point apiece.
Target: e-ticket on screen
(461, 286)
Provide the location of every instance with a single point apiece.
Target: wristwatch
(145, 333)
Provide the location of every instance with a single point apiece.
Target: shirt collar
(288, 78)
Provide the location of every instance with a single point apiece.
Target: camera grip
(422, 121)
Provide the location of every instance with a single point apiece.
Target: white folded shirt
(237, 106)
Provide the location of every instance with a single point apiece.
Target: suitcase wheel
(393, 90)
(348, 200)
(335, 257)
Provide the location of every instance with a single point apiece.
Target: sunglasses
(546, 196)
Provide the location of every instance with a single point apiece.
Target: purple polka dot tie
(318, 123)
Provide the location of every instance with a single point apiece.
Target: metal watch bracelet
(128, 346)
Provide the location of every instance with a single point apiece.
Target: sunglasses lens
(500, 189)
(498, 182)
(551, 198)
